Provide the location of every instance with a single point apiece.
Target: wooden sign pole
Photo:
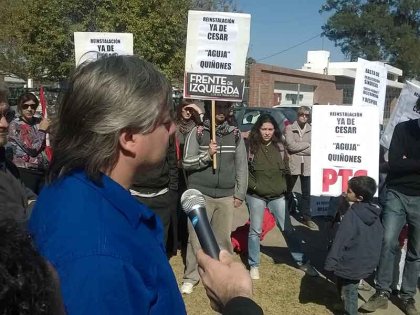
(213, 130)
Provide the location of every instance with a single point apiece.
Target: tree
(214, 5)
(387, 30)
(36, 38)
(12, 57)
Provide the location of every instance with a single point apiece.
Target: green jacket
(267, 172)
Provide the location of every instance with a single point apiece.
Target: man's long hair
(255, 139)
(104, 98)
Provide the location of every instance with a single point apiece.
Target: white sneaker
(187, 288)
(254, 273)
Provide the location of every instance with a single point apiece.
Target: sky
(277, 25)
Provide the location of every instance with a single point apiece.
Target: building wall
(266, 79)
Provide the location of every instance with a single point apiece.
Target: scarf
(185, 126)
(221, 130)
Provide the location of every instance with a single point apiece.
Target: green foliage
(214, 5)
(36, 38)
(387, 30)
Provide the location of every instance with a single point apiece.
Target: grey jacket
(298, 146)
(231, 175)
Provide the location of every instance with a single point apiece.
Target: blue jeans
(399, 210)
(277, 207)
(347, 289)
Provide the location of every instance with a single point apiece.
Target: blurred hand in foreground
(223, 279)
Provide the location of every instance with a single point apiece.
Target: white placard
(370, 85)
(217, 46)
(90, 45)
(345, 143)
(404, 110)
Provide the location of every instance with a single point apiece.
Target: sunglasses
(8, 115)
(26, 106)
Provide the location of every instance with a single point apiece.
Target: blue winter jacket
(106, 247)
(357, 245)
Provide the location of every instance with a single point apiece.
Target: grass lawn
(282, 289)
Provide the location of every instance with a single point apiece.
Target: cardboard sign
(370, 85)
(217, 46)
(345, 143)
(91, 45)
(404, 110)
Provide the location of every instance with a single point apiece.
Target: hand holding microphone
(194, 205)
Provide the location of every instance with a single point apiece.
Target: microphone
(194, 205)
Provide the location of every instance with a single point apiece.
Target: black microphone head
(192, 198)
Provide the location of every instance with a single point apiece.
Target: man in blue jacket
(107, 248)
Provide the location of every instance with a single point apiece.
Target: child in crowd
(355, 251)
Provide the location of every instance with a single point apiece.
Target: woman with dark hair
(27, 138)
(29, 284)
(267, 188)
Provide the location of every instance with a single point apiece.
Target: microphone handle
(200, 222)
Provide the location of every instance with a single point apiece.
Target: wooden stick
(213, 130)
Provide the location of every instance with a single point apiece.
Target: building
(319, 81)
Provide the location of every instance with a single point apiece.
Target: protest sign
(217, 46)
(320, 206)
(345, 143)
(404, 110)
(370, 85)
(90, 45)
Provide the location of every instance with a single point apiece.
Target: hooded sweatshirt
(357, 245)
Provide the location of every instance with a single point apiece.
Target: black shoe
(308, 269)
(378, 300)
(395, 293)
(409, 307)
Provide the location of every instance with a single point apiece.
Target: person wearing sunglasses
(27, 138)
(298, 144)
(15, 199)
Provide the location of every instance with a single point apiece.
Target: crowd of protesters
(98, 237)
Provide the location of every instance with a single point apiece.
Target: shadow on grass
(315, 242)
(318, 290)
(279, 255)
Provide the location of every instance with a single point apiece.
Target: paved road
(274, 246)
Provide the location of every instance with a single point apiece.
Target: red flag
(43, 101)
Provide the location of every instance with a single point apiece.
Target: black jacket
(242, 306)
(14, 195)
(404, 159)
(357, 245)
